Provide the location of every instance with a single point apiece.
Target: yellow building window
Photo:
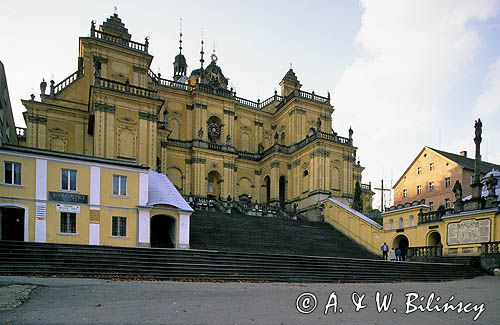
(68, 223)
(68, 179)
(12, 173)
(119, 185)
(119, 228)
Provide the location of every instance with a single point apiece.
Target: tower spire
(202, 52)
(180, 37)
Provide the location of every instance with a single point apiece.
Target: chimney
(463, 153)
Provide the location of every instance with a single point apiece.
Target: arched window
(400, 223)
(391, 224)
(412, 221)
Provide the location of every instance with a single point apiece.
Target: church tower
(180, 65)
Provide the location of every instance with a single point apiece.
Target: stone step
(97, 261)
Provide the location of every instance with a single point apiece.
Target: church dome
(180, 60)
(196, 72)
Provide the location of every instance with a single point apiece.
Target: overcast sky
(403, 74)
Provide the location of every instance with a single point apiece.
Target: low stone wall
(490, 262)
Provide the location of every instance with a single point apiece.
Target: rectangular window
(431, 187)
(447, 203)
(431, 166)
(419, 170)
(419, 189)
(119, 227)
(12, 173)
(68, 179)
(431, 205)
(405, 193)
(68, 223)
(119, 185)
(447, 182)
(472, 180)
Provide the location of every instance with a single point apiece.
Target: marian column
(475, 202)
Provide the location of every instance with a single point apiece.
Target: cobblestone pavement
(92, 301)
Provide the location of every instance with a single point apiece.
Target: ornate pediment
(213, 75)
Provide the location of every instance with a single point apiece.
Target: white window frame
(447, 182)
(13, 172)
(419, 170)
(419, 189)
(431, 166)
(431, 187)
(405, 192)
(120, 186)
(120, 228)
(67, 187)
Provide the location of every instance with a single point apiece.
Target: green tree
(357, 203)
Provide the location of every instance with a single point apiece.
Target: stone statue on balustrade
(457, 189)
(200, 134)
(491, 185)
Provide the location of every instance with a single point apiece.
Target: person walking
(385, 249)
(398, 254)
(392, 254)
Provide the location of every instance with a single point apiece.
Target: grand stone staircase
(18, 258)
(243, 233)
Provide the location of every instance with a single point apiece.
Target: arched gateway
(165, 221)
(163, 231)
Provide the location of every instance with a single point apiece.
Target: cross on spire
(116, 10)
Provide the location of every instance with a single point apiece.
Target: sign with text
(71, 208)
(68, 197)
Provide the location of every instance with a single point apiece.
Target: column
(183, 230)
(95, 206)
(143, 229)
(275, 175)
(110, 135)
(41, 198)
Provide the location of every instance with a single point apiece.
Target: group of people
(397, 254)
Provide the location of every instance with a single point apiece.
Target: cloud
(412, 53)
(488, 102)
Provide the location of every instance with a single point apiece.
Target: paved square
(84, 301)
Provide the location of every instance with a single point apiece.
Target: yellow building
(210, 142)
(432, 175)
(471, 227)
(56, 197)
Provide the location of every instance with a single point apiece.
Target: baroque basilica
(279, 152)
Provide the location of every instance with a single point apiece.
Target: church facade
(194, 128)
